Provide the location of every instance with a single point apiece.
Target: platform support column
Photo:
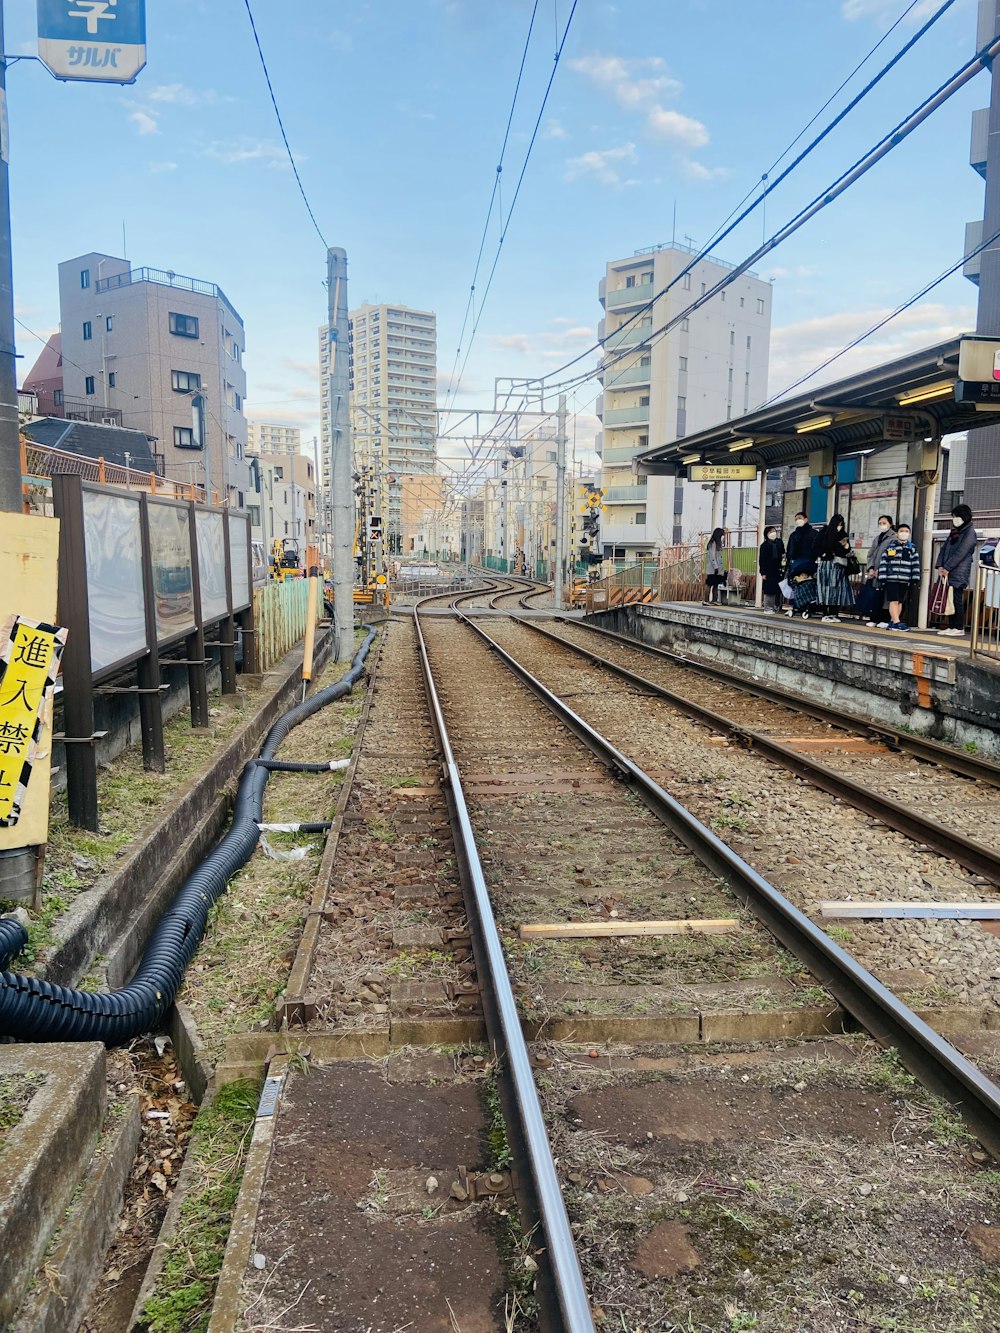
(716, 497)
(758, 599)
(924, 509)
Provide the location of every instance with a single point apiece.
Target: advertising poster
(869, 499)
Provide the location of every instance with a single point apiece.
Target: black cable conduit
(36, 1010)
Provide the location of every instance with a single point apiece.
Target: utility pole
(560, 563)
(320, 517)
(10, 446)
(342, 491)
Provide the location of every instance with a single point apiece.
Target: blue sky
(395, 110)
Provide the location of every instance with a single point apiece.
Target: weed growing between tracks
(514, 1245)
(182, 1299)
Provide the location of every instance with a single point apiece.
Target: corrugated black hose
(35, 1010)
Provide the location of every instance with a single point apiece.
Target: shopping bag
(869, 599)
(939, 598)
(949, 604)
(786, 589)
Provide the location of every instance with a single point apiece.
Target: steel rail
(973, 855)
(928, 1056)
(498, 996)
(526, 585)
(982, 770)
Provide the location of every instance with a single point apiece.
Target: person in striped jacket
(898, 571)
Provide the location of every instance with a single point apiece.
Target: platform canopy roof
(869, 411)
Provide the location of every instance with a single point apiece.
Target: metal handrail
(985, 640)
(567, 1276)
(40, 463)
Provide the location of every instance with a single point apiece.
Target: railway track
(673, 1105)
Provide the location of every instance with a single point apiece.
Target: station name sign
(979, 373)
(722, 472)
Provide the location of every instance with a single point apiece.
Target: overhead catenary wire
(281, 127)
(848, 178)
(493, 198)
(887, 319)
(505, 222)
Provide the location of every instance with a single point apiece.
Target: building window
(686, 284)
(760, 305)
(238, 401)
(685, 325)
(640, 519)
(683, 363)
(630, 280)
(279, 474)
(732, 338)
(184, 326)
(682, 403)
(88, 330)
(57, 397)
(85, 277)
(184, 438)
(749, 343)
(88, 385)
(109, 323)
(112, 380)
(643, 441)
(645, 360)
(644, 400)
(742, 302)
(703, 289)
(184, 381)
(254, 512)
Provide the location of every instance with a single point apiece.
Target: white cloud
(797, 348)
(553, 130)
(179, 94)
(144, 122)
(677, 127)
(604, 164)
(634, 84)
(697, 171)
(158, 167)
(250, 150)
(547, 345)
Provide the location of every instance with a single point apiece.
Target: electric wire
(880, 324)
(281, 127)
(730, 226)
(517, 190)
(489, 212)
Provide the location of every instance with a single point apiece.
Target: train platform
(915, 680)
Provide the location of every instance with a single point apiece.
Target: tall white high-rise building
(711, 367)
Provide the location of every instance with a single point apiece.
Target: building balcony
(622, 457)
(629, 296)
(617, 495)
(623, 379)
(973, 237)
(625, 534)
(980, 140)
(602, 290)
(629, 337)
(626, 416)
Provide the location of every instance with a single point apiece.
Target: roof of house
(49, 363)
(94, 441)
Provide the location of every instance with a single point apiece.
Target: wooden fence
(280, 611)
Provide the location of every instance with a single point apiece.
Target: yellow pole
(310, 639)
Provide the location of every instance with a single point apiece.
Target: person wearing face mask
(954, 564)
(770, 562)
(801, 540)
(898, 572)
(833, 563)
(870, 598)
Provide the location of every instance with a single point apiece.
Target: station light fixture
(943, 389)
(817, 423)
(690, 458)
(741, 444)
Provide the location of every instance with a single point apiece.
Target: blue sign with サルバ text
(99, 41)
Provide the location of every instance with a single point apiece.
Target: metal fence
(985, 641)
(39, 464)
(280, 612)
(677, 576)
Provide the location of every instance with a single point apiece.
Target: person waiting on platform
(771, 562)
(834, 558)
(801, 540)
(871, 598)
(715, 565)
(954, 564)
(898, 572)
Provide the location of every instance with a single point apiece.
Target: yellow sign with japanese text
(29, 664)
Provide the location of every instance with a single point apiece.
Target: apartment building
(163, 354)
(393, 384)
(282, 500)
(271, 437)
(656, 388)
